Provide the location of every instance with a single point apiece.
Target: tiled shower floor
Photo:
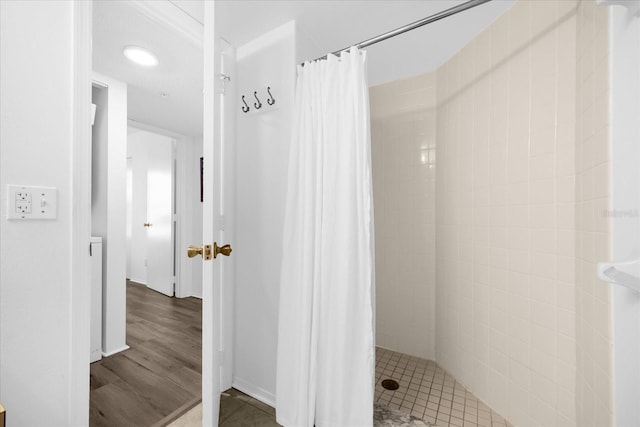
(428, 392)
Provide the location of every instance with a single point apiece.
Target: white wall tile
(528, 173)
(403, 149)
(593, 318)
(515, 224)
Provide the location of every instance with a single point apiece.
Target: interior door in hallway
(160, 210)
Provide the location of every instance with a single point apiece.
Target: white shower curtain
(325, 372)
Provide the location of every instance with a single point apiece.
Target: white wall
(109, 206)
(36, 282)
(261, 173)
(625, 205)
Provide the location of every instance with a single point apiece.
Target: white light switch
(31, 202)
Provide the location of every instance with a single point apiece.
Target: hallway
(161, 371)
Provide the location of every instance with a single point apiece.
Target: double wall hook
(271, 99)
(246, 108)
(258, 104)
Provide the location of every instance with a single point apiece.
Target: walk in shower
(490, 176)
(403, 140)
(491, 184)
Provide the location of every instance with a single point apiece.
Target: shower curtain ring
(258, 104)
(271, 100)
(245, 109)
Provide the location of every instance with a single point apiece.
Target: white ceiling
(172, 32)
(178, 74)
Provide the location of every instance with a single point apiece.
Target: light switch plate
(26, 202)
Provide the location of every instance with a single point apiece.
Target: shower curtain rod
(417, 24)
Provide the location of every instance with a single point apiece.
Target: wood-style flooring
(160, 373)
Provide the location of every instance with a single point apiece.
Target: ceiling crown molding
(172, 17)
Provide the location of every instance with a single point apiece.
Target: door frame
(79, 338)
(114, 327)
(79, 319)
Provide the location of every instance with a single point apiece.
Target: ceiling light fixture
(140, 56)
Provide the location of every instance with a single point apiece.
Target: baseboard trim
(111, 353)
(140, 282)
(258, 393)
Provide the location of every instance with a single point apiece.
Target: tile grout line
(420, 378)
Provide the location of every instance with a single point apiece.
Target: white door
(226, 94)
(159, 225)
(211, 226)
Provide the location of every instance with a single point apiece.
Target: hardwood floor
(160, 373)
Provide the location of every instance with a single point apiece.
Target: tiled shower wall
(506, 215)
(403, 155)
(522, 215)
(593, 297)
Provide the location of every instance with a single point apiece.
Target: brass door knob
(147, 224)
(224, 250)
(193, 251)
(205, 251)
